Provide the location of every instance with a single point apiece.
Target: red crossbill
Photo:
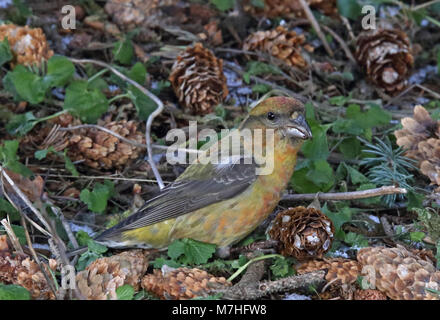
(221, 203)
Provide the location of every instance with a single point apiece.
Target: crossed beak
(298, 128)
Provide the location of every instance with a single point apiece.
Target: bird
(221, 203)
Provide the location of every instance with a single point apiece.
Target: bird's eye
(271, 116)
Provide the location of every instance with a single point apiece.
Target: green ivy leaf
(5, 52)
(338, 218)
(20, 124)
(13, 292)
(317, 148)
(125, 292)
(86, 103)
(144, 105)
(350, 148)
(355, 239)
(29, 86)
(313, 176)
(417, 236)
(349, 8)
(7, 209)
(123, 51)
(96, 247)
(9, 158)
(160, 262)
(282, 267)
(223, 5)
(256, 68)
(59, 71)
(96, 200)
(355, 176)
(190, 251)
(138, 73)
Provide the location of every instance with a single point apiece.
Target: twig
(342, 43)
(260, 289)
(346, 195)
(348, 26)
(316, 26)
(11, 234)
(150, 119)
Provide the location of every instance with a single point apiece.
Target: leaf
(438, 61)
(125, 292)
(29, 86)
(123, 51)
(5, 52)
(190, 251)
(338, 218)
(176, 249)
(312, 177)
(355, 176)
(97, 199)
(7, 209)
(138, 73)
(256, 68)
(260, 88)
(198, 252)
(82, 237)
(96, 247)
(317, 148)
(349, 8)
(13, 292)
(86, 103)
(59, 71)
(69, 165)
(355, 239)
(223, 5)
(258, 3)
(160, 262)
(85, 259)
(350, 148)
(144, 105)
(282, 267)
(20, 124)
(417, 236)
(41, 154)
(9, 158)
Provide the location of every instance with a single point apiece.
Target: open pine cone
(28, 46)
(386, 56)
(198, 80)
(345, 270)
(369, 294)
(303, 233)
(181, 283)
(420, 137)
(399, 273)
(103, 276)
(23, 271)
(289, 8)
(97, 148)
(280, 43)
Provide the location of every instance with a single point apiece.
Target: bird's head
(282, 114)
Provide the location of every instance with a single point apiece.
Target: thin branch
(150, 119)
(316, 26)
(346, 195)
(342, 43)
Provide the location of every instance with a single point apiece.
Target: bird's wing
(199, 186)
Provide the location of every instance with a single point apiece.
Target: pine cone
(28, 46)
(280, 43)
(345, 270)
(369, 294)
(289, 8)
(129, 14)
(198, 80)
(103, 276)
(181, 283)
(398, 273)
(302, 232)
(21, 270)
(386, 55)
(420, 137)
(97, 148)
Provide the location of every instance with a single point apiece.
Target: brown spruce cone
(129, 14)
(280, 43)
(369, 294)
(21, 270)
(398, 273)
(97, 148)
(181, 283)
(289, 8)
(345, 270)
(303, 233)
(386, 56)
(103, 276)
(198, 80)
(420, 137)
(28, 46)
